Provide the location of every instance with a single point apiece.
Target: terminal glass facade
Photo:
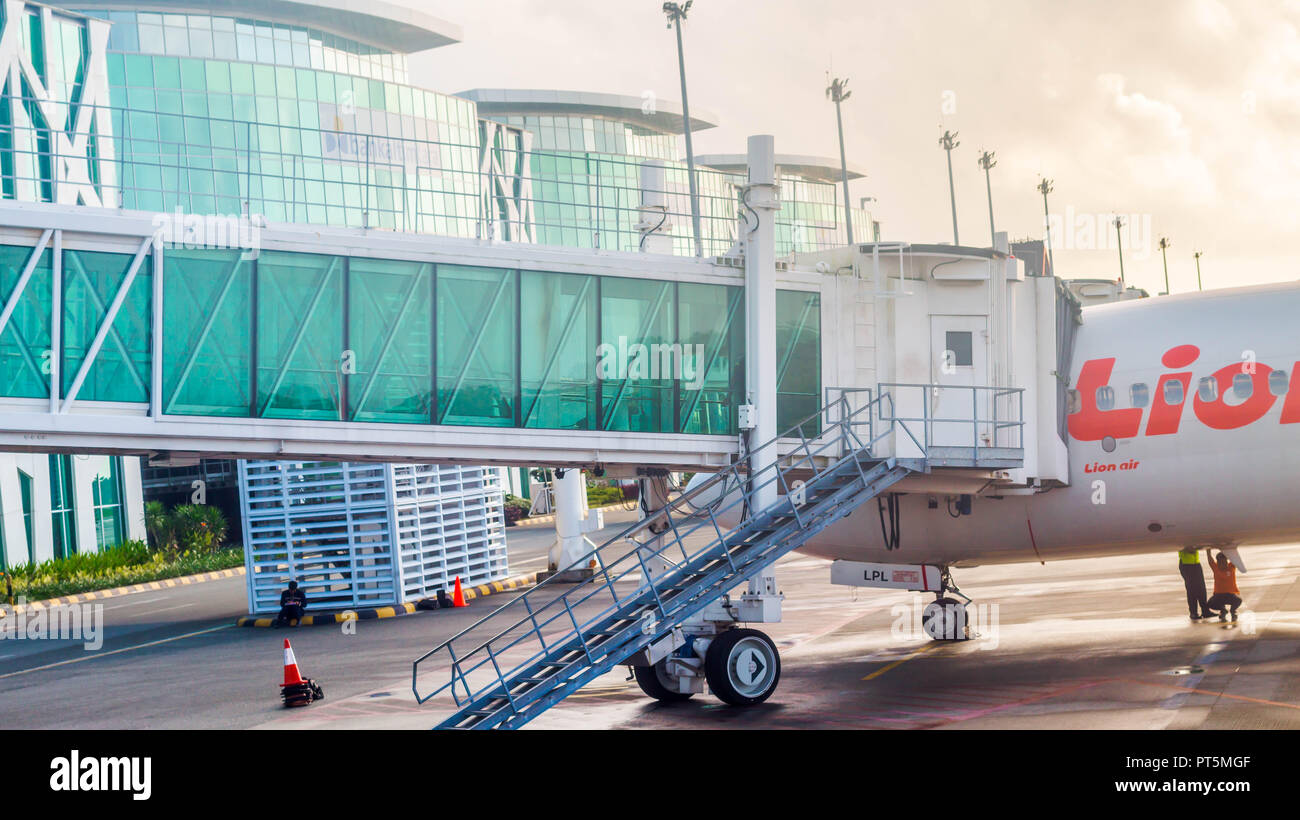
(208, 114)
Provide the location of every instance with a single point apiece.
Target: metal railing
(520, 626)
(987, 425)
(355, 179)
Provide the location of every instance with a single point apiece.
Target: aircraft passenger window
(959, 344)
(1243, 385)
(1277, 382)
(1173, 392)
(1208, 389)
(1105, 397)
(1139, 395)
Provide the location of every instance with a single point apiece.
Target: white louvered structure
(362, 535)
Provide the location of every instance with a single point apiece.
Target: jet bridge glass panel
(299, 335)
(390, 325)
(314, 336)
(207, 351)
(798, 359)
(25, 341)
(558, 350)
(91, 282)
(638, 330)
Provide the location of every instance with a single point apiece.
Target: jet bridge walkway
(536, 650)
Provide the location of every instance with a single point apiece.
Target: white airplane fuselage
(1221, 470)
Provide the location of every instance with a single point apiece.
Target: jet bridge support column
(572, 521)
(762, 600)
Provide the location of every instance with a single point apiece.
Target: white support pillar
(762, 600)
(760, 306)
(570, 525)
(654, 226)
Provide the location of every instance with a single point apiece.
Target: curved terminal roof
(373, 22)
(822, 169)
(664, 117)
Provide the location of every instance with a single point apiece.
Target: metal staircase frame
(838, 472)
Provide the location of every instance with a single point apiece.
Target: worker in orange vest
(1226, 597)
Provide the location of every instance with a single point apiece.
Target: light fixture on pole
(1164, 244)
(1045, 188)
(837, 93)
(1197, 256)
(676, 14)
(948, 142)
(987, 162)
(1119, 241)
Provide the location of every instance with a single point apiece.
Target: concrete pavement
(1101, 643)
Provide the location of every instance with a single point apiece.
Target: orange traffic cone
(292, 677)
(297, 690)
(457, 596)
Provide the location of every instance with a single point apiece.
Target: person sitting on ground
(292, 603)
(1226, 597)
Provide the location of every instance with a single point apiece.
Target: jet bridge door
(959, 357)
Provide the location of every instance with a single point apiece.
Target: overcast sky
(1183, 115)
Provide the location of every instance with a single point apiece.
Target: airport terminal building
(255, 115)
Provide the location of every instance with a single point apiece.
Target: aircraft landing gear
(660, 683)
(742, 667)
(945, 618)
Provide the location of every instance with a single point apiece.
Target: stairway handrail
(779, 468)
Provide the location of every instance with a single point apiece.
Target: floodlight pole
(1119, 241)
(949, 141)
(987, 162)
(1164, 258)
(676, 14)
(838, 94)
(1045, 188)
(1197, 256)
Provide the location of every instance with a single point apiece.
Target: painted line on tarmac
(1199, 691)
(902, 660)
(115, 651)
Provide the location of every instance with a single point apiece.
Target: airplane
(1183, 430)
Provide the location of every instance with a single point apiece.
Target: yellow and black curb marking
(375, 613)
(163, 583)
(517, 582)
(320, 618)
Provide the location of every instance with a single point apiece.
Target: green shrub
(159, 526)
(516, 508)
(128, 563)
(603, 496)
(198, 527)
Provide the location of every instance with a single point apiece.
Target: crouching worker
(292, 603)
(1226, 598)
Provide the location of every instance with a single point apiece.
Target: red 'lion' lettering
(1222, 416)
(1093, 424)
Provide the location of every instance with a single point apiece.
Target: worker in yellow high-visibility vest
(1189, 566)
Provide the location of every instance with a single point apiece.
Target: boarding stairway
(531, 653)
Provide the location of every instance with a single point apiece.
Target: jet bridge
(948, 366)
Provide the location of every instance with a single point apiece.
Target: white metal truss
(362, 535)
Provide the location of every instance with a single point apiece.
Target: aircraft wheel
(742, 667)
(945, 620)
(656, 682)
